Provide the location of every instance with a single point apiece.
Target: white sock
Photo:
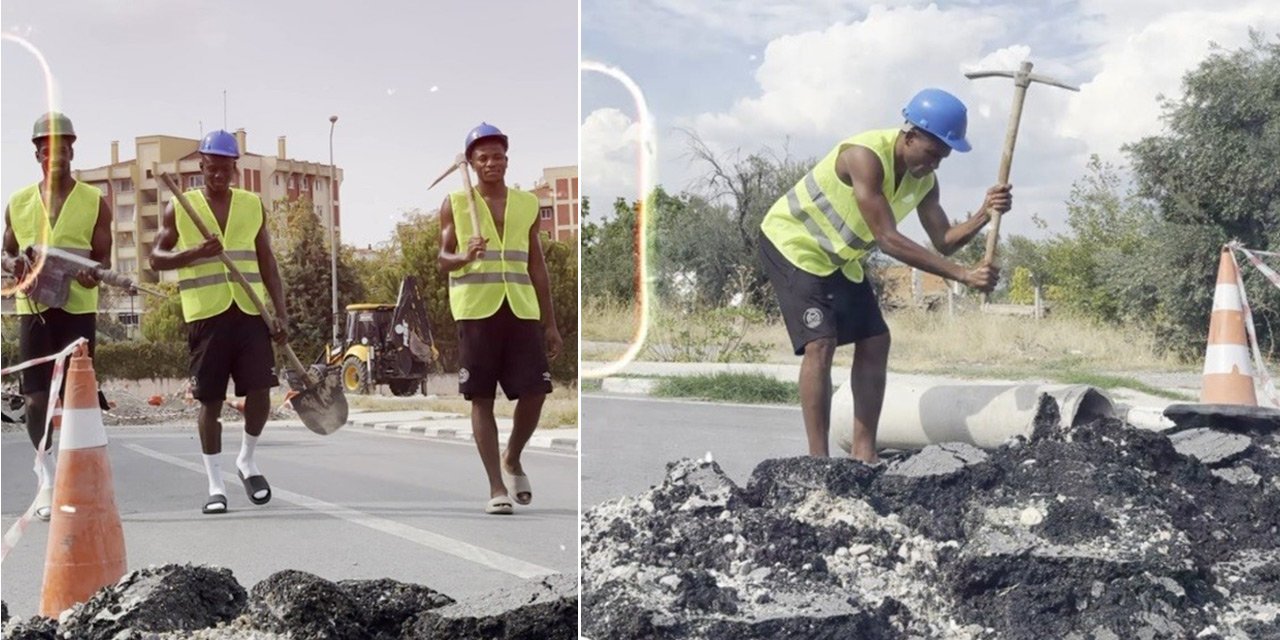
(245, 463)
(213, 469)
(45, 472)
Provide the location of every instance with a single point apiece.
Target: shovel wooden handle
(294, 362)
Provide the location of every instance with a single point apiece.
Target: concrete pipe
(919, 412)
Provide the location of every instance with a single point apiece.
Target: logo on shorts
(546, 376)
(463, 375)
(812, 317)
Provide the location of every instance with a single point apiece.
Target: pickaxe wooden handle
(461, 163)
(185, 204)
(1022, 78)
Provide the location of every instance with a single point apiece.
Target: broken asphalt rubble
(1090, 532)
(186, 601)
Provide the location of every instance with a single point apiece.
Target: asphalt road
(627, 441)
(356, 504)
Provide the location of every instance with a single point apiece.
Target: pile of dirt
(1098, 531)
(186, 601)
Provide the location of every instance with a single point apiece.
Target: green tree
(1212, 178)
(162, 317)
(608, 253)
(302, 251)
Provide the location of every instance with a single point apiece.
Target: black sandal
(254, 484)
(216, 500)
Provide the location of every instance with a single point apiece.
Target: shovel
(320, 403)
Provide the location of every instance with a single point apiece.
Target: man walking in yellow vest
(816, 235)
(64, 213)
(498, 293)
(226, 335)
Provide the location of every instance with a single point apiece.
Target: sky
(406, 79)
(795, 78)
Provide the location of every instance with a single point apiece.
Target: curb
(546, 442)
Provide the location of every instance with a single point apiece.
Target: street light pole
(333, 237)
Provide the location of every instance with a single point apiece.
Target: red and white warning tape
(1268, 385)
(14, 534)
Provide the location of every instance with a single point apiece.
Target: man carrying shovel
(500, 297)
(227, 336)
(815, 237)
(72, 216)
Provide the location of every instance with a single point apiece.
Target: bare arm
(542, 285)
(861, 168)
(100, 248)
(449, 259)
(948, 239)
(10, 245)
(164, 258)
(270, 269)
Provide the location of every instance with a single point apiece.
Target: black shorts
(821, 306)
(231, 344)
(502, 349)
(47, 333)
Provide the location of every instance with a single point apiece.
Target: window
(124, 212)
(126, 185)
(277, 179)
(128, 319)
(127, 265)
(124, 239)
(562, 189)
(545, 213)
(195, 181)
(148, 173)
(149, 196)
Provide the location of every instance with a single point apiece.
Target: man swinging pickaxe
(1022, 78)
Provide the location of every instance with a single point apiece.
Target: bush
(141, 360)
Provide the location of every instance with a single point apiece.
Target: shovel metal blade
(322, 406)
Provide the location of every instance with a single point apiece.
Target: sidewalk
(455, 427)
(1140, 409)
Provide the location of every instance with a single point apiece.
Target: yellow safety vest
(817, 224)
(206, 285)
(478, 289)
(72, 232)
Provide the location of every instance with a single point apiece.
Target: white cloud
(609, 138)
(815, 87)
(1148, 59)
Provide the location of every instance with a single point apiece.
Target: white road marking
(441, 543)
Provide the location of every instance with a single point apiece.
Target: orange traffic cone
(1228, 369)
(86, 540)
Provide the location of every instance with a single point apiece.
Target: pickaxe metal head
(461, 160)
(1022, 77)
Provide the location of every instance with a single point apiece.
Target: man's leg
(528, 412)
(484, 429)
(870, 365)
(210, 426)
(257, 406)
(815, 393)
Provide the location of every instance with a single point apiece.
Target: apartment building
(138, 200)
(557, 193)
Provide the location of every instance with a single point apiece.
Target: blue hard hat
(941, 114)
(484, 130)
(220, 143)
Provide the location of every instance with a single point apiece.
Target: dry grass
(967, 344)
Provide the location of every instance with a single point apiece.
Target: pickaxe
(1022, 78)
(461, 162)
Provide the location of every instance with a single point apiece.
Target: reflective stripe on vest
(71, 232)
(817, 226)
(206, 286)
(502, 273)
